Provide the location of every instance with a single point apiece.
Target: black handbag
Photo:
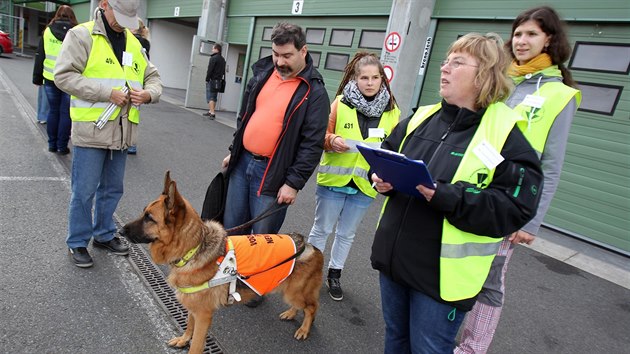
(214, 202)
(218, 85)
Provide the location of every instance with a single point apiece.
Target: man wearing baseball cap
(102, 66)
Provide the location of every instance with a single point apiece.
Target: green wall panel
(82, 12)
(593, 197)
(603, 10)
(238, 30)
(311, 8)
(166, 8)
(332, 78)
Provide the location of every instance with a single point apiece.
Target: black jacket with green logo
(408, 239)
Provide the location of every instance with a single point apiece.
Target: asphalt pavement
(563, 295)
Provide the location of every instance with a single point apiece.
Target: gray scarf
(374, 108)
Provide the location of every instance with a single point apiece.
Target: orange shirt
(265, 124)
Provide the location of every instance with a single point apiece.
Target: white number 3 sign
(297, 7)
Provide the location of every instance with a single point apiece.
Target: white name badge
(127, 59)
(376, 133)
(488, 154)
(534, 101)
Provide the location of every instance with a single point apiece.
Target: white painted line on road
(21, 178)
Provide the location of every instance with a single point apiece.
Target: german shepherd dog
(172, 228)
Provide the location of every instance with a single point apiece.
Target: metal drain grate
(154, 279)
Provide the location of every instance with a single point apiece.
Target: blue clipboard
(402, 173)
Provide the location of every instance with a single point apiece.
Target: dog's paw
(301, 334)
(288, 314)
(179, 342)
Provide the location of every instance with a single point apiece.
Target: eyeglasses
(455, 64)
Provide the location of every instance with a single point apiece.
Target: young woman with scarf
(365, 112)
(545, 95)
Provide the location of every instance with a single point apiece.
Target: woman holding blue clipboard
(364, 112)
(434, 250)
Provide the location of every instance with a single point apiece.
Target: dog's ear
(167, 182)
(171, 193)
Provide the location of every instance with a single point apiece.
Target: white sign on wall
(297, 7)
(176, 11)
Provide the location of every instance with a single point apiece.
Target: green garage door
(593, 198)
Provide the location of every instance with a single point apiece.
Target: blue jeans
(97, 178)
(59, 124)
(416, 323)
(242, 202)
(42, 104)
(345, 210)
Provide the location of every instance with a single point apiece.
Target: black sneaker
(65, 151)
(334, 289)
(255, 302)
(334, 285)
(81, 257)
(115, 246)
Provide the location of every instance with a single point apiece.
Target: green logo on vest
(480, 178)
(534, 190)
(458, 154)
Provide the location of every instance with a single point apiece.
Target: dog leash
(272, 209)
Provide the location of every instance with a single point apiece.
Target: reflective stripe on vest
(52, 47)
(104, 69)
(538, 121)
(337, 169)
(465, 258)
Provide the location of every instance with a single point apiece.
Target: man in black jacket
(216, 71)
(280, 133)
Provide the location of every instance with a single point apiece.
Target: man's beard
(284, 70)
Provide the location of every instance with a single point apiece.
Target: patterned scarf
(539, 62)
(374, 108)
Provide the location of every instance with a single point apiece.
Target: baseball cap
(125, 12)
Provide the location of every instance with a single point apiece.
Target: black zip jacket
(216, 67)
(59, 29)
(408, 238)
(301, 142)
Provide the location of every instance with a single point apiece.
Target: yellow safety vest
(103, 67)
(337, 169)
(465, 258)
(52, 47)
(538, 121)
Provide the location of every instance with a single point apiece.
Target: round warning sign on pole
(389, 72)
(392, 42)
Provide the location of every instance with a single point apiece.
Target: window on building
(264, 52)
(316, 57)
(599, 98)
(601, 57)
(267, 33)
(372, 39)
(337, 62)
(315, 35)
(341, 38)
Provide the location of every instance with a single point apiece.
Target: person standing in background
(546, 96)
(102, 65)
(365, 112)
(216, 71)
(142, 34)
(58, 119)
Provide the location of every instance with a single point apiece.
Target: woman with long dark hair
(364, 112)
(58, 120)
(546, 98)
